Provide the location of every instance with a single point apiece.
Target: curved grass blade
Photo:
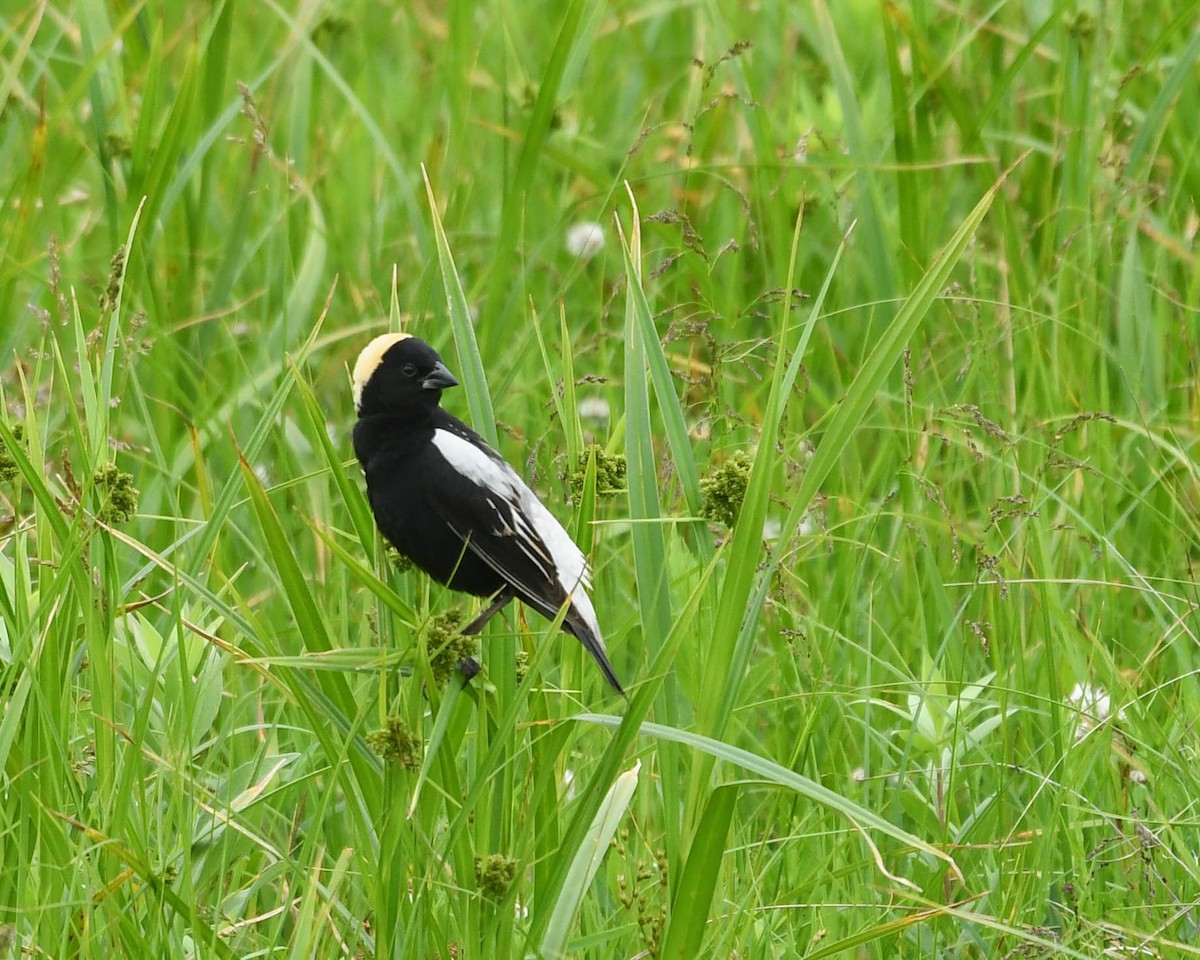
(352, 495)
(776, 773)
(669, 405)
(479, 401)
(587, 859)
(883, 358)
(649, 548)
(643, 696)
(736, 618)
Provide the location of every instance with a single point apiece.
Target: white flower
(773, 527)
(594, 408)
(1093, 701)
(585, 239)
(1093, 706)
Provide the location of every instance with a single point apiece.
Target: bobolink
(451, 504)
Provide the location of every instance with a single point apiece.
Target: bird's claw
(469, 667)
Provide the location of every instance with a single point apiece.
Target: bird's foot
(469, 667)
(498, 603)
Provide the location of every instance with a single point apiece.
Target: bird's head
(397, 372)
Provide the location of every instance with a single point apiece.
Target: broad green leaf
(694, 893)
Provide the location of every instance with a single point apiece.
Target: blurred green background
(890, 318)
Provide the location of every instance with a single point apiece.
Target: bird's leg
(500, 601)
(469, 666)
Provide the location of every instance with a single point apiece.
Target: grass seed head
(117, 494)
(725, 488)
(396, 743)
(610, 473)
(495, 874)
(8, 465)
(447, 647)
(400, 563)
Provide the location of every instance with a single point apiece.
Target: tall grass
(913, 285)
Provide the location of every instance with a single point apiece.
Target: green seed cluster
(396, 743)
(399, 561)
(447, 647)
(494, 874)
(117, 494)
(725, 488)
(610, 472)
(8, 466)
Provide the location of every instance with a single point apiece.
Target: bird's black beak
(439, 378)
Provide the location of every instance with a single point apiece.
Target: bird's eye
(409, 370)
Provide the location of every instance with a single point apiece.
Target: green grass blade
(533, 143)
(694, 893)
(1182, 73)
(366, 576)
(878, 249)
(352, 495)
(741, 601)
(669, 405)
(609, 767)
(885, 356)
(12, 69)
(311, 624)
(859, 815)
(649, 548)
(474, 380)
(586, 861)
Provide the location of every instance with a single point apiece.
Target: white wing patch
(494, 476)
(569, 560)
(530, 522)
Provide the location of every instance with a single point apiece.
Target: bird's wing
(512, 532)
(508, 527)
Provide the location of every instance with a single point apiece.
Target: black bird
(452, 505)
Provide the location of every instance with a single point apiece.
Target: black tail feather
(595, 646)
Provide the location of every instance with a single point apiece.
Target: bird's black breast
(409, 485)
